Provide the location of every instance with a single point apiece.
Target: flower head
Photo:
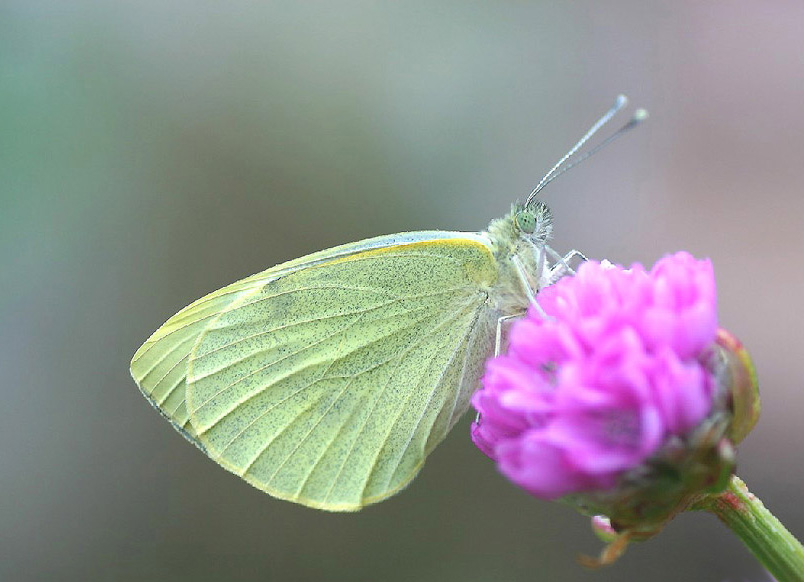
(618, 369)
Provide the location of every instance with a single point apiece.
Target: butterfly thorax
(518, 242)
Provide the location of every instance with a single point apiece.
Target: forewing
(329, 385)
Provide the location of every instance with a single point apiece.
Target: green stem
(763, 534)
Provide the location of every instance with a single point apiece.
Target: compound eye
(525, 221)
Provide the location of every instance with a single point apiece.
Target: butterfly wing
(159, 367)
(327, 383)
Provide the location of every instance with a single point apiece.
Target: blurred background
(151, 152)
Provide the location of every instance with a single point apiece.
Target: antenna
(559, 168)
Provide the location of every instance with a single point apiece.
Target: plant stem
(763, 534)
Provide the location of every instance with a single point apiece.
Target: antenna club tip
(641, 114)
(621, 100)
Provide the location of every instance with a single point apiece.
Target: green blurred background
(154, 151)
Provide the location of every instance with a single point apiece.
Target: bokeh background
(153, 151)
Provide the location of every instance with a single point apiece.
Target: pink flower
(591, 392)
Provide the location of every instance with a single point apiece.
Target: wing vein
(314, 320)
(193, 306)
(258, 370)
(285, 428)
(451, 360)
(170, 392)
(254, 395)
(161, 359)
(262, 415)
(261, 390)
(309, 432)
(451, 319)
(469, 343)
(373, 407)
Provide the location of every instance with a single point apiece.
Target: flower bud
(737, 372)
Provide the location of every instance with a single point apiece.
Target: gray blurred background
(151, 152)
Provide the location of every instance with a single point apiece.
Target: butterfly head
(534, 221)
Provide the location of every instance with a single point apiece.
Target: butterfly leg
(498, 337)
(527, 283)
(562, 265)
(498, 340)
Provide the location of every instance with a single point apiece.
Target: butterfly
(328, 379)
